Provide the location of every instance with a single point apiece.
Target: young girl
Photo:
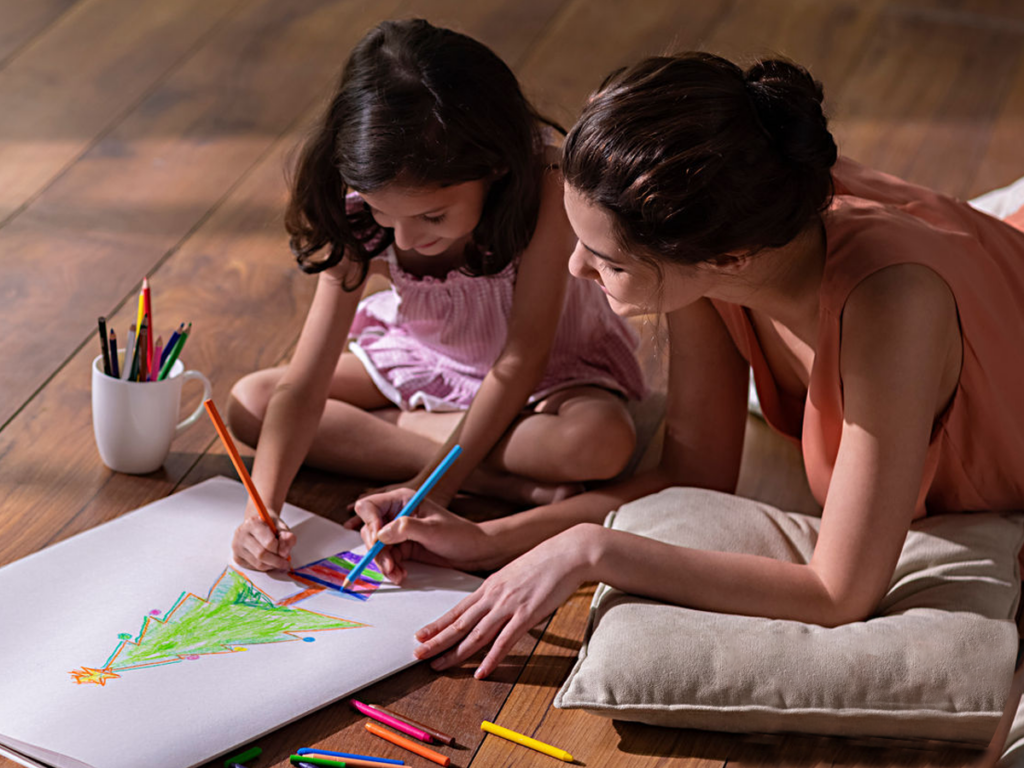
(432, 169)
(883, 323)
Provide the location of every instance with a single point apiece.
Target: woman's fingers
(509, 636)
(428, 635)
(486, 629)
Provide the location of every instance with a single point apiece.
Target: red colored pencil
(147, 309)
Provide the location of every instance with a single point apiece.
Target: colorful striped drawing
(329, 573)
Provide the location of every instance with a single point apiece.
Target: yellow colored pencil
(142, 304)
(526, 741)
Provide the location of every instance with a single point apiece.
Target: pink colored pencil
(157, 351)
(398, 725)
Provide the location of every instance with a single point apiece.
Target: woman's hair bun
(788, 105)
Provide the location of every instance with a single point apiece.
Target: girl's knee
(247, 404)
(602, 444)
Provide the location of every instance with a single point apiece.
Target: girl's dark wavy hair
(422, 106)
(696, 158)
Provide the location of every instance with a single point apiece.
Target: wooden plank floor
(150, 138)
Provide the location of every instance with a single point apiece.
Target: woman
(882, 321)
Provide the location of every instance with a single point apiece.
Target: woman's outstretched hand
(510, 602)
(431, 534)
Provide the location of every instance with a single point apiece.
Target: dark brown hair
(695, 158)
(422, 106)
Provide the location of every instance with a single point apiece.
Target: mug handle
(207, 391)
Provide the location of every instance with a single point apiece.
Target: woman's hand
(511, 602)
(431, 534)
(254, 545)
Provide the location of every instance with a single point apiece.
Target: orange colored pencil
(243, 473)
(404, 743)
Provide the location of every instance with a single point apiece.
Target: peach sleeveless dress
(975, 458)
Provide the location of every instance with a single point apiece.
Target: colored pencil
(115, 369)
(311, 750)
(169, 362)
(104, 349)
(394, 722)
(147, 311)
(335, 761)
(133, 373)
(141, 344)
(302, 760)
(157, 353)
(525, 741)
(243, 473)
(441, 736)
(410, 505)
(142, 306)
(129, 350)
(170, 344)
(245, 757)
(404, 743)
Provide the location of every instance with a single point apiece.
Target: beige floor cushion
(935, 662)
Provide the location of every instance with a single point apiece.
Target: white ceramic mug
(134, 422)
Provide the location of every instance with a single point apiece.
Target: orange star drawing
(95, 676)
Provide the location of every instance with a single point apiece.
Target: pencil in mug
(410, 505)
(141, 344)
(175, 352)
(133, 372)
(157, 354)
(147, 311)
(243, 473)
(115, 370)
(129, 350)
(170, 345)
(103, 348)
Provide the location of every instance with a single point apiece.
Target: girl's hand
(509, 603)
(431, 534)
(254, 545)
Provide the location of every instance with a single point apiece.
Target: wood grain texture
(80, 75)
(151, 138)
(22, 23)
(589, 38)
(135, 197)
(923, 99)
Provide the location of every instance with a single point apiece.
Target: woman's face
(633, 287)
(428, 220)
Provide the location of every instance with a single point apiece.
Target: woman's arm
(899, 363)
(900, 360)
(704, 423)
(536, 310)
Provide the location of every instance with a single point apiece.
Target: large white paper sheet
(140, 642)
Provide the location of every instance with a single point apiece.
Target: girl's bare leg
(578, 434)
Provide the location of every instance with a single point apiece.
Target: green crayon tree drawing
(234, 615)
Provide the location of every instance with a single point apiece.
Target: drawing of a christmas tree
(234, 615)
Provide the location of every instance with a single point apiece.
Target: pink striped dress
(429, 342)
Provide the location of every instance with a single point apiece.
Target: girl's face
(632, 286)
(429, 220)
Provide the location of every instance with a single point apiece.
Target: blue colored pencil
(170, 345)
(312, 750)
(414, 502)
